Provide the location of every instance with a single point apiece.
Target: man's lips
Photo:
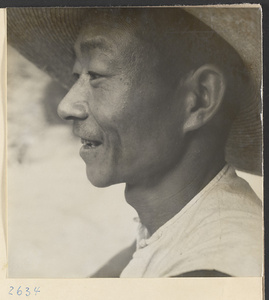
(90, 144)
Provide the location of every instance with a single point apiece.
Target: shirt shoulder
(219, 229)
(226, 230)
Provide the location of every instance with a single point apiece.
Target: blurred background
(59, 225)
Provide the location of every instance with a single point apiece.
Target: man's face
(126, 111)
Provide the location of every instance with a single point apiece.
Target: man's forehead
(104, 37)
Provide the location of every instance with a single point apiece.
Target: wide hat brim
(46, 37)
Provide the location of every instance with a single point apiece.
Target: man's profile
(153, 96)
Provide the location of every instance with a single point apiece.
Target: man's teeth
(89, 143)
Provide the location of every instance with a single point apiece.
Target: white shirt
(219, 229)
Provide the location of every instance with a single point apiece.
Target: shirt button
(142, 243)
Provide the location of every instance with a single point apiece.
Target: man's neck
(159, 202)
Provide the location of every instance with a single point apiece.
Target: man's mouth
(90, 144)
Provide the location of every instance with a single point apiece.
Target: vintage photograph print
(134, 142)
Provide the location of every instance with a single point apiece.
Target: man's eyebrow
(97, 42)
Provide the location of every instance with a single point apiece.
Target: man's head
(149, 82)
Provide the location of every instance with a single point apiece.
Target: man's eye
(93, 75)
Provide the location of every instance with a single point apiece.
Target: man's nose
(73, 105)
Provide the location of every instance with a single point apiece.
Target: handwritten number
(11, 289)
(36, 290)
(19, 291)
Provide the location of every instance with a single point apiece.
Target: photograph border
(205, 288)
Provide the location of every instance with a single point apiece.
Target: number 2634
(20, 291)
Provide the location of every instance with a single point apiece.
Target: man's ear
(205, 91)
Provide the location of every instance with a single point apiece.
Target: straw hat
(46, 37)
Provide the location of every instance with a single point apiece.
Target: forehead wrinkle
(85, 46)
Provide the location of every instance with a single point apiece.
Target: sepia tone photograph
(134, 142)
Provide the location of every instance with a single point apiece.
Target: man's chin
(98, 179)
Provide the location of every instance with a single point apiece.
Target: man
(156, 92)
